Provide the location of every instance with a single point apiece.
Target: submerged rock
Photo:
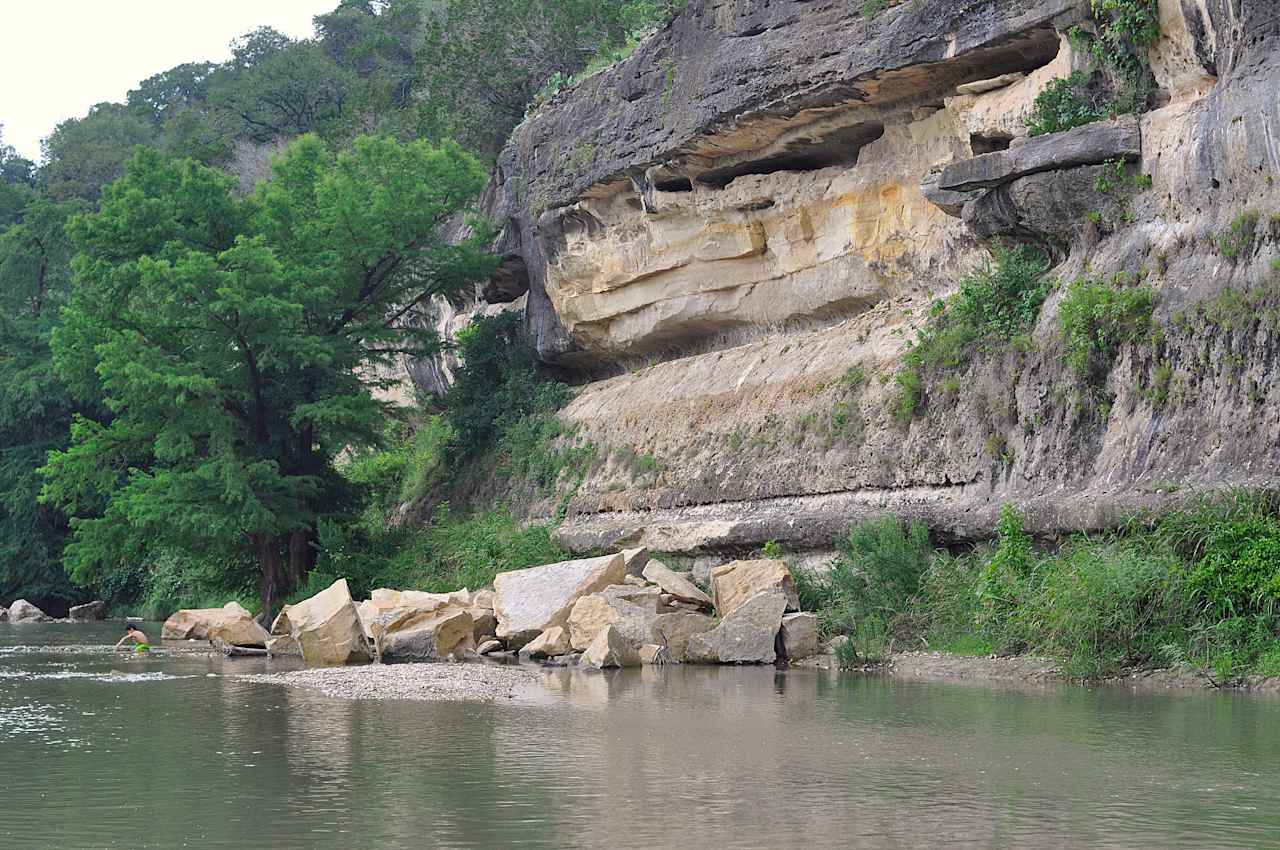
(800, 635)
(89, 612)
(747, 636)
(591, 614)
(328, 628)
(196, 623)
(22, 611)
(554, 641)
(734, 583)
(528, 602)
(675, 630)
(610, 649)
(678, 586)
(450, 634)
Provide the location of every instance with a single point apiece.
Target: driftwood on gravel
(220, 645)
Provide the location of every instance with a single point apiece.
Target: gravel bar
(436, 682)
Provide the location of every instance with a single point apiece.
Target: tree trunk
(301, 555)
(274, 582)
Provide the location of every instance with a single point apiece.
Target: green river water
(168, 756)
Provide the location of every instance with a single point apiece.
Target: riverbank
(440, 682)
(1027, 669)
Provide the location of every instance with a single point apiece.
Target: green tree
(484, 60)
(234, 340)
(35, 409)
(82, 155)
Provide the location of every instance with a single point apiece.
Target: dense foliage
(1193, 586)
(235, 339)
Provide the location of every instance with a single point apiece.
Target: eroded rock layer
(747, 221)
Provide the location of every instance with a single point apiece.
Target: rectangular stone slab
(1088, 145)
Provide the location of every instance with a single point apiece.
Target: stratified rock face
(198, 623)
(528, 602)
(22, 611)
(327, 628)
(747, 636)
(762, 204)
(88, 612)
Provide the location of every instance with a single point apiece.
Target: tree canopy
(235, 342)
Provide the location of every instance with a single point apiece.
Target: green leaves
(1097, 319)
(228, 336)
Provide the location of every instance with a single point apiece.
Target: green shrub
(1097, 319)
(906, 395)
(1066, 103)
(871, 581)
(1239, 236)
(993, 305)
(1239, 572)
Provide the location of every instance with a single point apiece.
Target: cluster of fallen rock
(614, 611)
(22, 611)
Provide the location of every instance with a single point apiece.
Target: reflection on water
(161, 754)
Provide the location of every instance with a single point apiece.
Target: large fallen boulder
(283, 645)
(675, 584)
(592, 614)
(734, 583)
(239, 631)
(610, 649)
(384, 601)
(799, 635)
(435, 639)
(747, 636)
(327, 627)
(90, 612)
(675, 630)
(195, 623)
(22, 611)
(648, 598)
(528, 602)
(635, 560)
(554, 641)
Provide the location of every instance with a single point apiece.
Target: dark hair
(128, 627)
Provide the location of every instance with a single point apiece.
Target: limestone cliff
(731, 235)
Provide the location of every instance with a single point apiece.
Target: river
(175, 751)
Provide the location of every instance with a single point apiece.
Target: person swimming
(133, 633)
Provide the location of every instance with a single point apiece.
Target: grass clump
(1097, 319)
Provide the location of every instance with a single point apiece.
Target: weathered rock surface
(196, 623)
(610, 649)
(747, 636)
(284, 646)
(799, 636)
(592, 614)
(528, 602)
(554, 641)
(738, 209)
(433, 639)
(1092, 144)
(648, 598)
(674, 631)
(733, 584)
(22, 611)
(489, 647)
(635, 560)
(327, 627)
(654, 653)
(238, 631)
(88, 612)
(678, 586)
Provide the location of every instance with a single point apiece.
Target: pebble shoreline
(429, 682)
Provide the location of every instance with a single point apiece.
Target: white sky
(59, 57)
